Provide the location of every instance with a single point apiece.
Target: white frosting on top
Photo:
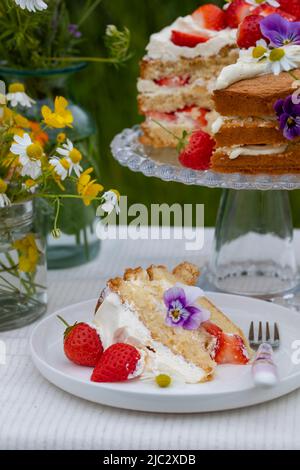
(254, 150)
(161, 47)
(248, 67)
(117, 322)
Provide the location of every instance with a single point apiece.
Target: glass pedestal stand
(253, 251)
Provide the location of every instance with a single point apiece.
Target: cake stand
(253, 252)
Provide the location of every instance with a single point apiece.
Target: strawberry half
(82, 344)
(249, 31)
(202, 117)
(159, 116)
(266, 10)
(236, 12)
(210, 17)
(231, 350)
(117, 363)
(182, 39)
(292, 7)
(198, 151)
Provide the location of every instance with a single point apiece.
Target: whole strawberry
(119, 362)
(82, 344)
(292, 7)
(198, 151)
(249, 31)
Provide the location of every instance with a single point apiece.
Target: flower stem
(63, 320)
(88, 12)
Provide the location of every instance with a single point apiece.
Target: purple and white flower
(279, 31)
(182, 309)
(288, 114)
(74, 31)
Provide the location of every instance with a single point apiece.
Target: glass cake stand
(253, 252)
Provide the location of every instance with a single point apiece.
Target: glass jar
(23, 270)
(78, 243)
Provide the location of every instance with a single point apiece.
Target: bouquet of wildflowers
(32, 165)
(41, 33)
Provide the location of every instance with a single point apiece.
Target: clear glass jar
(23, 270)
(79, 243)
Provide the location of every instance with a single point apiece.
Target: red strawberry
(212, 328)
(173, 81)
(266, 10)
(230, 350)
(210, 17)
(186, 39)
(82, 344)
(202, 117)
(236, 12)
(291, 6)
(116, 363)
(249, 31)
(198, 151)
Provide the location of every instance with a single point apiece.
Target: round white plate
(231, 388)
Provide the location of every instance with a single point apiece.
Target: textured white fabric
(36, 415)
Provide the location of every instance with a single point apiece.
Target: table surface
(34, 414)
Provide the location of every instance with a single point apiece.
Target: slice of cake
(258, 127)
(179, 71)
(174, 326)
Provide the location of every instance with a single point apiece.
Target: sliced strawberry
(212, 328)
(210, 17)
(174, 81)
(266, 10)
(249, 31)
(117, 363)
(198, 151)
(202, 117)
(292, 7)
(82, 344)
(236, 12)
(186, 39)
(158, 116)
(231, 350)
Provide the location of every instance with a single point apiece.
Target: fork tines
(264, 334)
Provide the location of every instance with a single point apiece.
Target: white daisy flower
(61, 166)
(32, 5)
(257, 3)
(73, 155)
(111, 201)
(16, 96)
(30, 155)
(281, 60)
(4, 199)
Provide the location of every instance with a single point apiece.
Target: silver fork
(264, 370)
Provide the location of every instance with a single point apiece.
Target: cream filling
(221, 120)
(248, 67)
(117, 322)
(161, 47)
(253, 150)
(150, 87)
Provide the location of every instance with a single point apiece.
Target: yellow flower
(28, 253)
(60, 117)
(3, 186)
(88, 188)
(61, 137)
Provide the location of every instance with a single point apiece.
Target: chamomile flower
(257, 3)
(281, 60)
(111, 201)
(30, 155)
(32, 5)
(61, 167)
(4, 199)
(16, 96)
(30, 185)
(69, 152)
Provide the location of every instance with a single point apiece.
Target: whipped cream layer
(248, 67)
(253, 150)
(117, 322)
(161, 47)
(220, 121)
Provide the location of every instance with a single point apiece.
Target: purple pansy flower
(288, 114)
(74, 31)
(280, 31)
(183, 311)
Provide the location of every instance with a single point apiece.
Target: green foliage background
(110, 95)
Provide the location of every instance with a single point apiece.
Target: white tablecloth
(36, 415)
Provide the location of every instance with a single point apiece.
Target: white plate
(231, 388)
